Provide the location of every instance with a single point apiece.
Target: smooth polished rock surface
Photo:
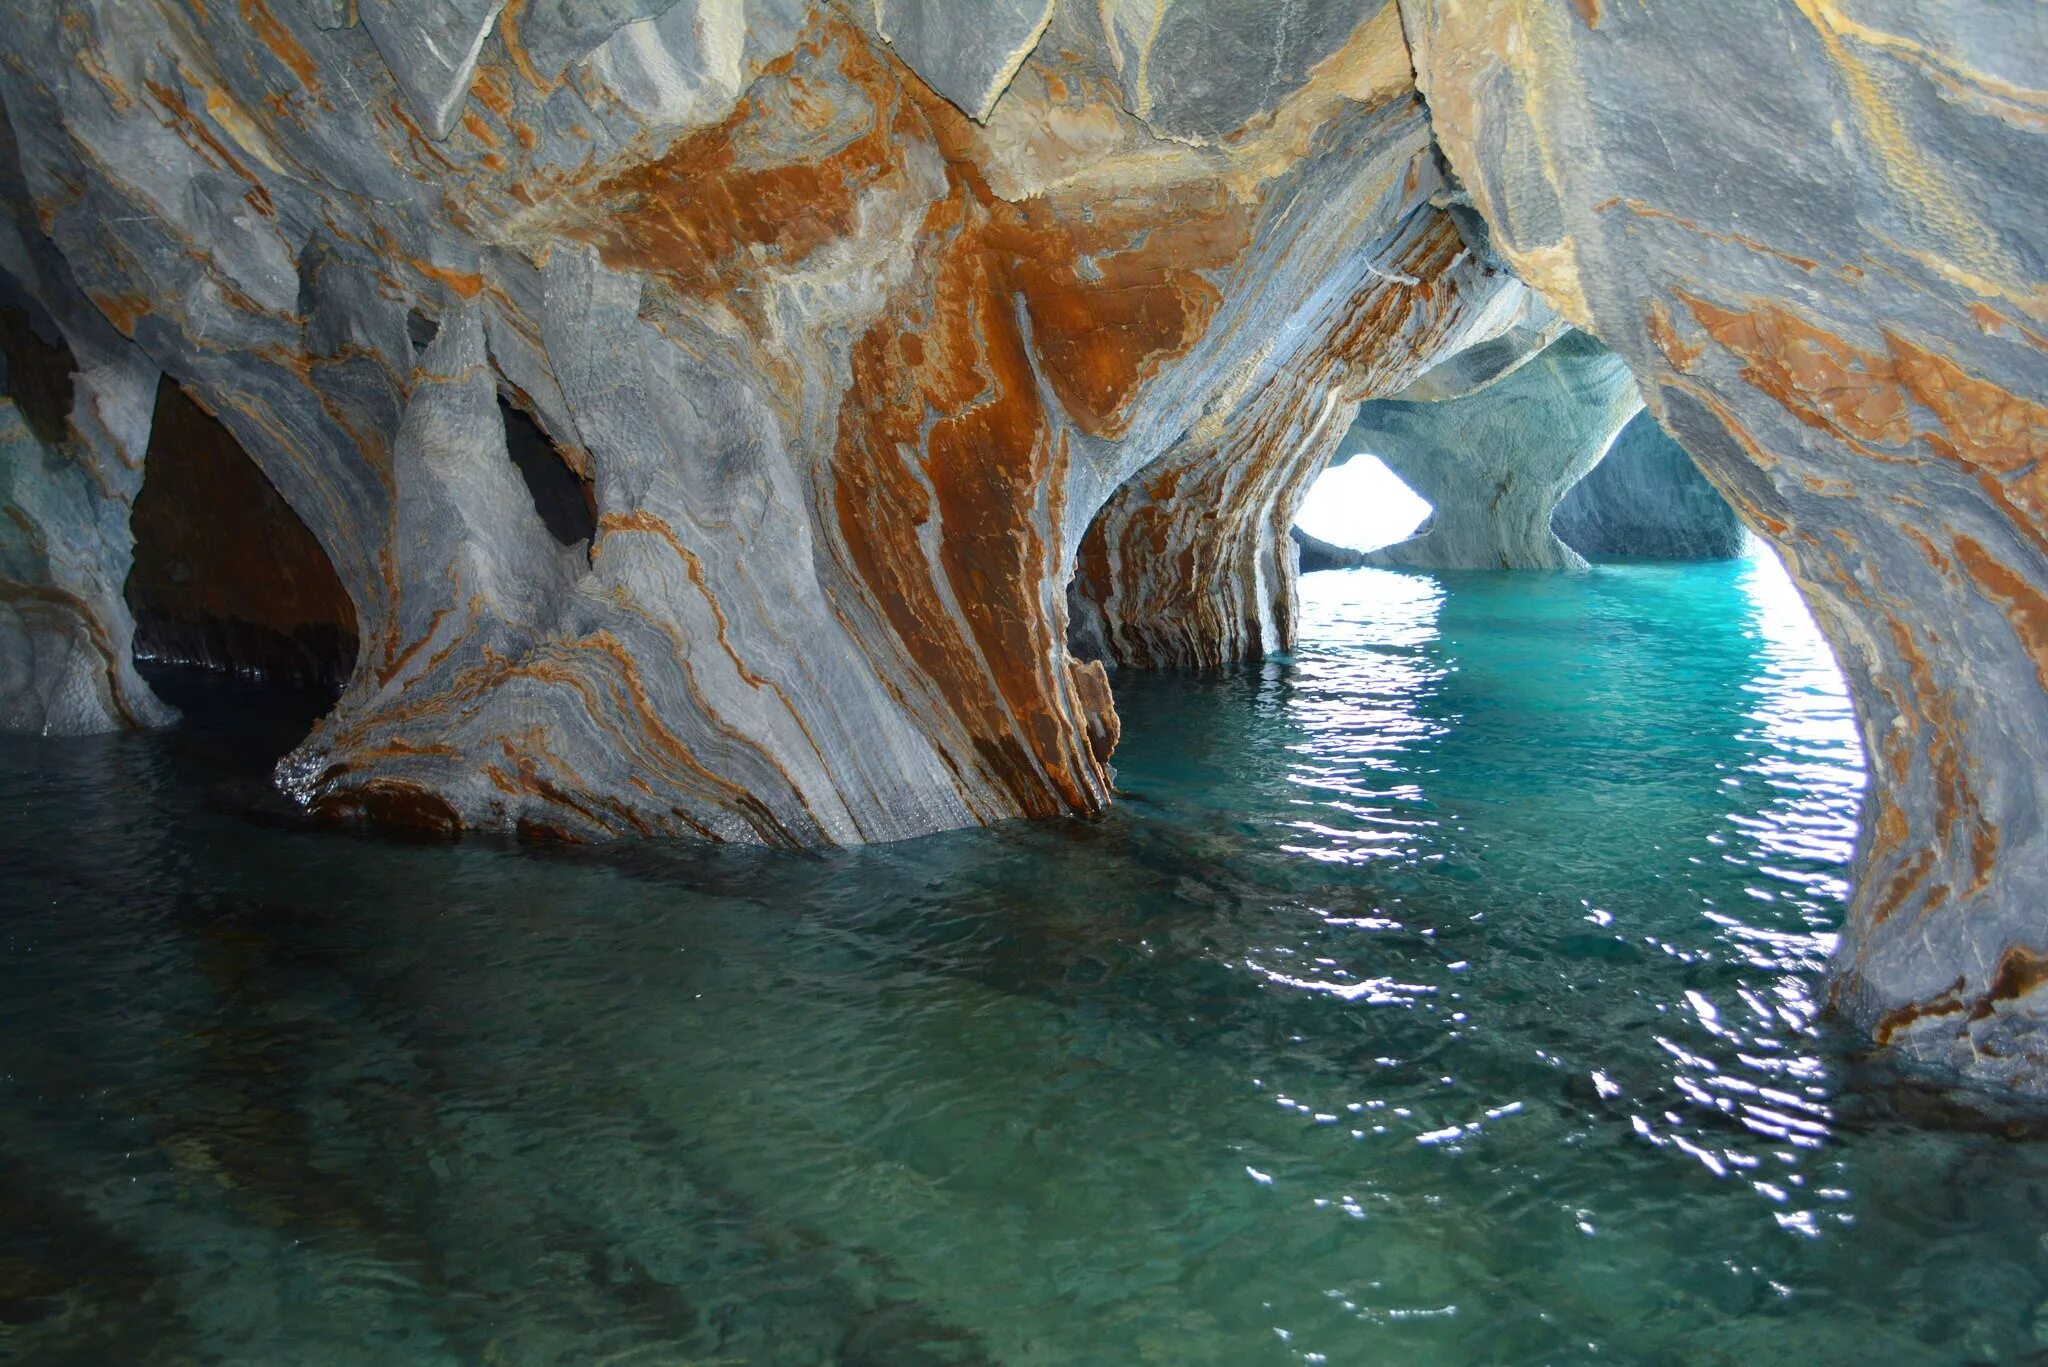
(848, 374)
(1647, 500)
(1494, 463)
(1839, 310)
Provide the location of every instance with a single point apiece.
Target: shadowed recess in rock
(565, 500)
(38, 374)
(1647, 500)
(226, 576)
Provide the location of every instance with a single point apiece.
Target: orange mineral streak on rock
(1930, 731)
(1947, 1002)
(1874, 400)
(194, 133)
(977, 617)
(1178, 554)
(738, 199)
(1981, 427)
(2025, 606)
(391, 802)
(2020, 972)
(1820, 379)
(282, 44)
(945, 459)
(1115, 291)
(1682, 354)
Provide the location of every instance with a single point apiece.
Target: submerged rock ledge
(888, 352)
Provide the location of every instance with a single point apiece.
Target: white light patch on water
(1361, 504)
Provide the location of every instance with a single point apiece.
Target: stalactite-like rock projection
(1495, 462)
(73, 428)
(1647, 500)
(868, 331)
(1839, 311)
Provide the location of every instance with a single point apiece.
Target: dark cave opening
(226, 576)
(565, 499)
(39, 370)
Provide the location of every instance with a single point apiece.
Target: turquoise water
(1448, 994)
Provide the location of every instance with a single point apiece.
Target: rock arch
(1495, 463)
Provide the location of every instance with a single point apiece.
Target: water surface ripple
(1450, 993)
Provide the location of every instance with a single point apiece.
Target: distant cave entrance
(565, 497)
(1356, 505)
(226, 576)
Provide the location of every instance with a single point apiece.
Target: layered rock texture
(1647, 500)
(1495, 462)
(705, 405)
(1839, 310)
(848, 355)
(74, 425)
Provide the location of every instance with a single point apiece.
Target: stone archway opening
(1358, 504)
(226, 576)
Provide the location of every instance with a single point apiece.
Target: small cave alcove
(39, 370)
(564, 496)
(226, 577)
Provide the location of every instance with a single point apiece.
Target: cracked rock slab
(969, 56)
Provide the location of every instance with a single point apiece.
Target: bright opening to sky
(1361, 504)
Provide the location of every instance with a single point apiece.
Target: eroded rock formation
(1839, 311)
(73, 427)
(1191, 563)
(866, 328)
(1647, 500)
(1494, 463)
(848, 372)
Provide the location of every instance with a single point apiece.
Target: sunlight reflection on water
(1448, 993)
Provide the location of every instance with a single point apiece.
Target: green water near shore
(1450, 993)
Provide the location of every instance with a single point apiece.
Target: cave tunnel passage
(1681, 685)
(564, 498)
(226, 577)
